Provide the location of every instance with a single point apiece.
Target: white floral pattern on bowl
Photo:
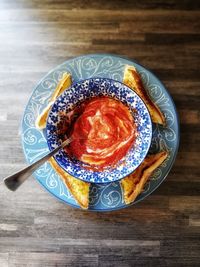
(85, 90)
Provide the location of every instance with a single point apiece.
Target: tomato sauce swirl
(102, 133)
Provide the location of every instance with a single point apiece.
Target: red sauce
(102, 132)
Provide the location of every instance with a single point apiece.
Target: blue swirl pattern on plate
(87, 89)
(103, 197)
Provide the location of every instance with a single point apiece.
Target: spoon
(15, 180)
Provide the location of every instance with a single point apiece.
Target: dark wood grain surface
(162, 230)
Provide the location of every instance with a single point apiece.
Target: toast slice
(133, 184)
(79, 189)
(64, 83)
(133, 80)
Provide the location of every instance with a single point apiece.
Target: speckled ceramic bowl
(82, 91)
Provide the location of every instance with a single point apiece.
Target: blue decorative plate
(85, 90)
(103, 197)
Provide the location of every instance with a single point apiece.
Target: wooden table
(162, 230)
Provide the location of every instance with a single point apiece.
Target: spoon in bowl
(13, 181)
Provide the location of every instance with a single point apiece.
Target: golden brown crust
(132, 79)
(79, 189)
(64, 83)
(133, 184)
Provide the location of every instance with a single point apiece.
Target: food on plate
(133, 80)
(133, 184)
(64, 83)
(79, 189)
(102, 132)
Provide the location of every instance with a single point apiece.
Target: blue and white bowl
(82, 91)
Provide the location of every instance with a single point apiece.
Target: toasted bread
(133, 184)
(133, 80)
(64, 83)
(79, 189)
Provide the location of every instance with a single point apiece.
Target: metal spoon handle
(15, 180)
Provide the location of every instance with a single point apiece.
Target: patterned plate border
(104, 197)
